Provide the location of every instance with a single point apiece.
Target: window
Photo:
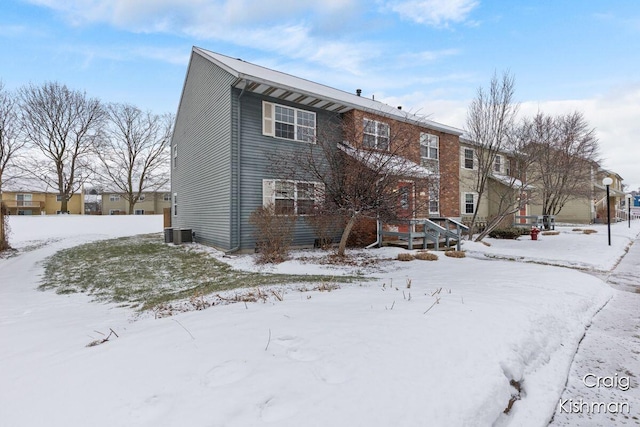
(59, 197)
(175, 203)
(469, 203)
(404, 198)
(291, 197)
(468, 158)
(141, 198)
(175, 156)
(166, 197)
(497, 164)
(376, 135)
(114, 198)
(428, 146)
(434, 199)
(24, 199)
(288, 122)
(138, 212)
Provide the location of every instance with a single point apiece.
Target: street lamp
(607, 182)
(629, 197)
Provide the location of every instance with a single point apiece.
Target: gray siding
(203, 132)
(257, 152)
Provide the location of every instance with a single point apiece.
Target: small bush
(550, 233)
(273, 234)
(326, 225)
(589, 231)
(426, 256)
(455, 254)
(507, 233)
(577, 229)
(406, 257)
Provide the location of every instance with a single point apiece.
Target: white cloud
(248, 23)
(437, 13)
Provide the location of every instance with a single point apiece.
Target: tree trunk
(64, 205)
(345, 234)
(131, 205)
(4, 244)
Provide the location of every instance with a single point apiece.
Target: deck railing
(434, 230)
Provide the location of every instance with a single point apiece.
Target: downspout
(377, 242)
(239, 139)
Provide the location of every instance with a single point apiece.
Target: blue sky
(429, 56)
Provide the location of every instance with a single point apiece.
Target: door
(405, 204)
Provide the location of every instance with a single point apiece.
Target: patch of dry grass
(550, 233)
(426, 256)
(455, 254)
(406, 257)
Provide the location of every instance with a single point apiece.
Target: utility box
(182, 235)
(168, 235)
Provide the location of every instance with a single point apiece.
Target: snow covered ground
(442, 343)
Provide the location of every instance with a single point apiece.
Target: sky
(430, 56)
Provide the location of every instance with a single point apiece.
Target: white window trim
(430, 141)
(166, 197)
(377, 136)
(464, 158)
(269, 192)
(175, 204)
(175, 156)
(138, 212)
(435, 191)
(114, 197)
(269, 121)
(463, 209)
(499, 162)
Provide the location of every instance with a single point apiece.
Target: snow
(441, 352)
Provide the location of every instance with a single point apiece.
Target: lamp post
(629, 198)
(607, 182)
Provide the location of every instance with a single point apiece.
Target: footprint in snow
(229, 372)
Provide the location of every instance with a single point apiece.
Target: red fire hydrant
(534, 233)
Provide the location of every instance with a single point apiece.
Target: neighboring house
(591, 206)
(234, 117)
(503, 186)
(28, 199)
(150, 203)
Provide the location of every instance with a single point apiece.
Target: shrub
(550, 233)
(508, 233)
(426, 256)
(273, 234)
(405, 257)
(326, 225)
(455, 254)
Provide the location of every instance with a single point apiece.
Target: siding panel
(202, 176)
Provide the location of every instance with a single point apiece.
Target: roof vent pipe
(399, 107)
(358, 92)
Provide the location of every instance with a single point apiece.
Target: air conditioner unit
(182, 235)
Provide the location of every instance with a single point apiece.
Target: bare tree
(10, 146)
(363, 177)
(564, 148)
(63, 124)
(134, 153)
(509, 192)
(489, 120)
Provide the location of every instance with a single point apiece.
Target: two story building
(234, 117)
(32, 198)
(150, 203)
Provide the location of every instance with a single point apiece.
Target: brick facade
(449, 157)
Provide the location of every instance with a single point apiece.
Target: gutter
(238, 174)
